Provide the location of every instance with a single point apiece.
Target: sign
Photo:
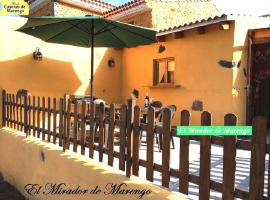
(214, 130)
(14, 7)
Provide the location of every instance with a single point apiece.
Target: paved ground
(8, 192)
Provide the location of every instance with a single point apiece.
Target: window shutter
(155, 72)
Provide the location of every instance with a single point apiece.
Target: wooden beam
(161, 38)
(201, 30)
(178, 35)
(261, 40)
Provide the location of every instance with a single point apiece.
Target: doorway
(260, 81)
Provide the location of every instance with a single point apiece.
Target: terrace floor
(241, 175)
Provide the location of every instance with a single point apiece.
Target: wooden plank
(229, 160)
(205, 155)
(179, 34)
(67, 138)
(10, 110)
(123, 118)
(201, 30)
(75, 127)
(43, 118)
(54, 120)
(268, 188)
(64, 122)
(3, 108)
(38, 118)
(111, 135)
(34, 116)
(25, 116)
(166, 150)
(184, 155)
(61, 104)
(13, 111)
(92, 130)
(101, 131)
(256, 184)
(129, 137)
(21, 113)
(49, 120)
(17, 113)
(150, 144)
(83, 123)
(29, 115)
(136, 141)
(161, 38)
(7, 110)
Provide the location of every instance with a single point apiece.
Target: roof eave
(224, 18)
(130, 12)
(79, 6)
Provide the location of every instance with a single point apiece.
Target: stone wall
(63, 10)
(142, 19)
(45, 10)
(168, 14)
(164, 14)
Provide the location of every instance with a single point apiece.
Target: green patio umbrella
(88, 31)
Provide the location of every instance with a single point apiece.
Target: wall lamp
(37, 55)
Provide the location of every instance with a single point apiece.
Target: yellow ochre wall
(197, 71)
(66, 69)
(63, 69)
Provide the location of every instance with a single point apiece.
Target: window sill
(165, 85)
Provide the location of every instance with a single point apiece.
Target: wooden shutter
(155, 72)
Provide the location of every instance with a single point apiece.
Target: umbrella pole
(92, 62)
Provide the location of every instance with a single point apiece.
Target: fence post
(83, 124)
(3, 123)
(166, 150)
(205, 158)
(136, 141)
(110, 141)
(92, 129)
(25, 115)
(129, 122)
(61, 103)
(43, 115)
(150, 144)
(101, 117)
(184, 154)
(256, 184)
(123, 119)
(229, 162)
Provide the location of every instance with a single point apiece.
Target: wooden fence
(64, 123)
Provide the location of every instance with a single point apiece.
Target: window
(163, 71)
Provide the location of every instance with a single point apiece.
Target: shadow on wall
(48, 77)
(107, 79)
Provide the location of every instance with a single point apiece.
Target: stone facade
(142, 19)
(63, 10)
(45, 10)
(152, 14)
(169, 14)
(163, 14)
